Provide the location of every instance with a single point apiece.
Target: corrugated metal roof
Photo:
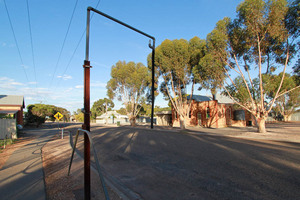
(200, 98)
(12, 100)
(219, 97)
(223, 99)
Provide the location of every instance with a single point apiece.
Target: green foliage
(129, 83)
(263, 37)
(262, 31)
(172, 59)
(287, 103)
(6, 116)
(239, 92)
(79, 116)
(208, 70)
(296, 69)
(292, 20)
(122, 111)
(38, 113)
(174, 62)
(159, 109)
(5, 142)
(101, 106)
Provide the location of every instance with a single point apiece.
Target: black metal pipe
(153, 82)
(87, 43)
(120, 22)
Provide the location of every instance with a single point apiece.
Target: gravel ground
(60, 186)
(164, 163)
(201, 163)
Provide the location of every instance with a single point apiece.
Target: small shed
(164, 118)
(295, 116)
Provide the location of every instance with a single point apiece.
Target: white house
(112, 117)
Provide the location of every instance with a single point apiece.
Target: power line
(32, 52)
(63, 43)
(12, 28)
(77, 45)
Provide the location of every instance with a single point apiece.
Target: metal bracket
(87, 64)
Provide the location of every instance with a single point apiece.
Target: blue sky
(43, 77)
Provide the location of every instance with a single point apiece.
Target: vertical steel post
(153, 76)
(86, 125)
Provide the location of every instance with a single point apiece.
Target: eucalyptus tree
(129, 83)
(101, 106)
(288, 102)
(208, 67)
(172, 62)
(296, 69)
(259, 38)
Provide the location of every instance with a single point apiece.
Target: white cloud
(100, 65)
(95, 84)
(65, 77)
(98, 84)
(32, 83)
(9, 84)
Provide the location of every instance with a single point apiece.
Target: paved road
(22, 175)
(168, 165)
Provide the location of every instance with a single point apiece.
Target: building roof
(12, 100)
(163, 113)
(220, 98)
(200, 98)
(223, 99)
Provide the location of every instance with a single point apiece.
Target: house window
(207, 113)
(199, 118)
(190, 114)
(229, 112)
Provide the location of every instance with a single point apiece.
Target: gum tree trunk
(132, 121)
(261, 125)
(182, 122)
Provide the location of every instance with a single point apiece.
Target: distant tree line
(39, 113)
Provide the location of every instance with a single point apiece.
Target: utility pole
(87, 125)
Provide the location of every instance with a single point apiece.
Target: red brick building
(12, 104)
(215, 113)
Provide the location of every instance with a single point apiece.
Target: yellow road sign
(58, 116)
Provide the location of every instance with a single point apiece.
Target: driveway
(163, 164)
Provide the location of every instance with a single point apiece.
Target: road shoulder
(56, 158)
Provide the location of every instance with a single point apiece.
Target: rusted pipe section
(86, 125)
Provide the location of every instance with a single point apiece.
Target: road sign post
(58, 116)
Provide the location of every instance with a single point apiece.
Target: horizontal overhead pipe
(120, 22)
